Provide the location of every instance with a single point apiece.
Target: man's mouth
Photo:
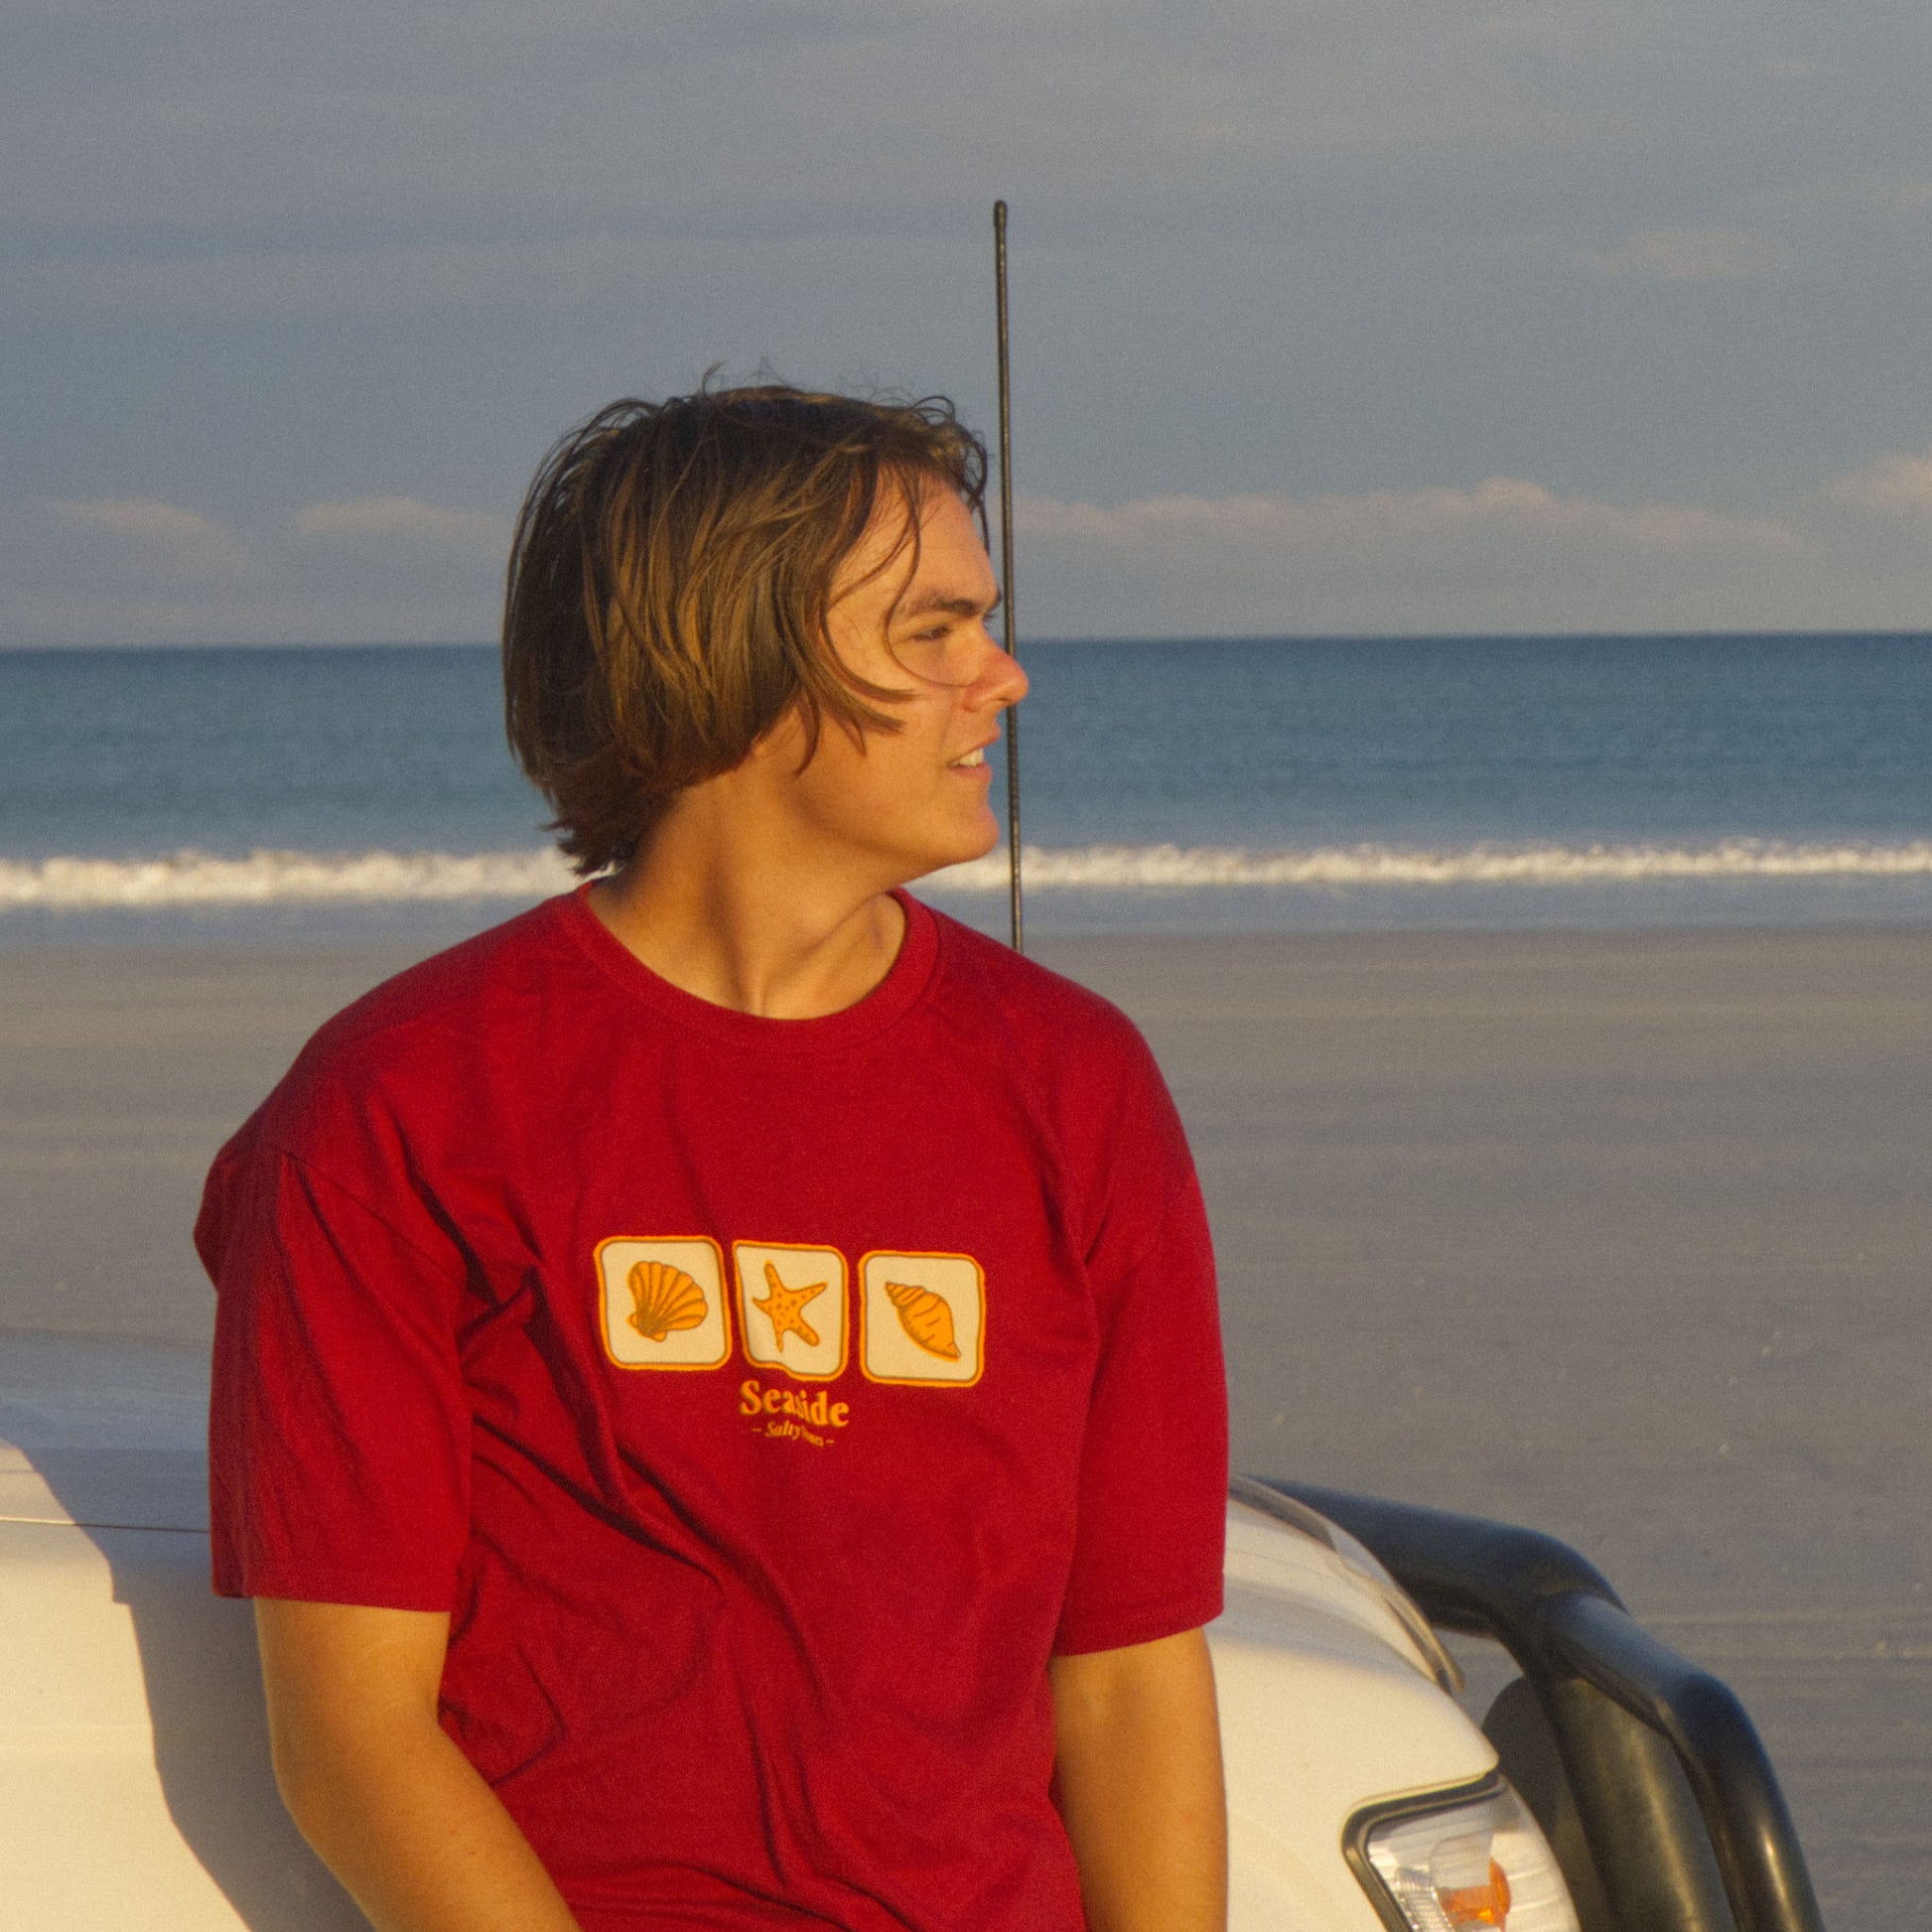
(977, 755)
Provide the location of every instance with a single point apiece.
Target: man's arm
(1138, 1778)
(393, 1807)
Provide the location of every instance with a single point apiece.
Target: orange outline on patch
(603, 1302)
(864, 1318)
(845, 1307)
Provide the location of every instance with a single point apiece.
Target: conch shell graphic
(667, 1299)
(927, 1318)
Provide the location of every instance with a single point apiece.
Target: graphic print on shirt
(922, 1318)
(791, 1308)
(662, 1301)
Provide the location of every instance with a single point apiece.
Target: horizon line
(1662, 634)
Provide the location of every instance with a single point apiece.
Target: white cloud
(1498, 507)
(1688, 255)
(138, 517)
(141, 570)
(405, 520)
(1895, 486)
(1505, 554)
(1904, 197)
(146, 537)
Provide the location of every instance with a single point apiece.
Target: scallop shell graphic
(667, 1299)
(927, 1318)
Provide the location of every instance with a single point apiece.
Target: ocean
(1292, 785)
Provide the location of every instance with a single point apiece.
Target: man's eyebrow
(958, 607)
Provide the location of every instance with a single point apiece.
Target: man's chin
(987, 847)
(963, 855)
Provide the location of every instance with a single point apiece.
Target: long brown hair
(669, 581)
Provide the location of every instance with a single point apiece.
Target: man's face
(914, 800)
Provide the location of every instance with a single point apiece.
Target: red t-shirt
(765, 1400)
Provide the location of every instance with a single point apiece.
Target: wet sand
(1627, 1236)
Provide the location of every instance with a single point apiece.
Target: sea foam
(1119, 868)
(268, 877)
(278, 879)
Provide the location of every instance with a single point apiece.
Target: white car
(135, 1789)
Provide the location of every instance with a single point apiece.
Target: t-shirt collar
(891, 998)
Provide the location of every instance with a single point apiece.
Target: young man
(718, 1397)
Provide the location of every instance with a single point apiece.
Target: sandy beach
(1622, 1235)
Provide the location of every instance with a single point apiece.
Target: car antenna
(1005, 570)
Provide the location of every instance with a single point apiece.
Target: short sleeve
(1153, 1508)
(338, 1442)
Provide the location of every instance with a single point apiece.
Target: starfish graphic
(787, 1307)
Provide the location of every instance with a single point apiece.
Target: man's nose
(1005, 681)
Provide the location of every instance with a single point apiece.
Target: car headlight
(1459, 1862)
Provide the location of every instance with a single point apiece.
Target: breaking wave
(1117, 868)
(191, 879)
(278, 879)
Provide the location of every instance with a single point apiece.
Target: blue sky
(1339, 316)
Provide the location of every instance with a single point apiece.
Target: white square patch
(925, 1317)
(791, 1308)
(662, 1301)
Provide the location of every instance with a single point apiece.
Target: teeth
(973, 757)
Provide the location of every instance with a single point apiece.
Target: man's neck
(745, 931)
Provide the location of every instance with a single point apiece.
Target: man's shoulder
(1032, 1000)
(1074, 1061)
(404, 1066)
(499, 965)
(410, 1028)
